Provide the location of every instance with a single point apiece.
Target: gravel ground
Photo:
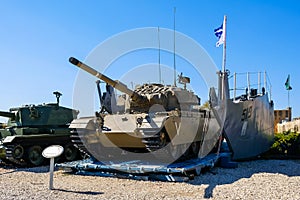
(261, 179)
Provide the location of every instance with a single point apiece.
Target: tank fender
(9, 139)
(83, 123)
(154, 122)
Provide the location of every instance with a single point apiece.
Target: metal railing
(247, 82)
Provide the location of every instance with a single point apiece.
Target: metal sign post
(52, 152)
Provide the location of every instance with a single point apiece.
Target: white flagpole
(224, 58)
(224, 45)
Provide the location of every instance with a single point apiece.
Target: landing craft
(249, 121)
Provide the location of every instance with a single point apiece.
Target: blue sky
(38, 37)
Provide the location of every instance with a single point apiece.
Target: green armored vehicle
(157, 121)
(31, 128)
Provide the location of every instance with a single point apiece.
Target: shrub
(287, 143)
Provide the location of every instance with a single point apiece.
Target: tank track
(152, 142)
(75, 139)
(98, 154)
(26, 153)
(161, 147)
(10, 158)
(157, 147)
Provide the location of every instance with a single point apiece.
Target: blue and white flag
(220, 35)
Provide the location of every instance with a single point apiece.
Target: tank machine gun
(31, 128)
(165, 120)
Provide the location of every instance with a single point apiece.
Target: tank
(163, 121)
(31, 128)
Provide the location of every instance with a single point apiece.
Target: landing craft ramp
(137, 170)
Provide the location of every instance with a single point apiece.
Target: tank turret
(147, 95)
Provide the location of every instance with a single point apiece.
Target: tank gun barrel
(7, 114)
(116, 84)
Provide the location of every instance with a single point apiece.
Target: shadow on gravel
(13, 168)
(7, 172)
(221, 176)
(80, 192)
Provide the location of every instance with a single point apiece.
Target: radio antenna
(174, 51)
(159, 69)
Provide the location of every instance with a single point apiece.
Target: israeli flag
(219, 33)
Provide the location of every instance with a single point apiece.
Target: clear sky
(38, 37)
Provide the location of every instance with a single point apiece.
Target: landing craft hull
(249, 127)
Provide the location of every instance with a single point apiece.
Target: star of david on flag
(220, 35)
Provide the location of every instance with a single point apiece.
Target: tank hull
(142, 133)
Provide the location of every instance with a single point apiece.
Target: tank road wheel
(18, 152)
(162, 139)
(70, 152)
(34, 155)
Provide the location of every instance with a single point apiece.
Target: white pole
(52, 152)
(224, 57)
(224, 45)
(51, 173)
